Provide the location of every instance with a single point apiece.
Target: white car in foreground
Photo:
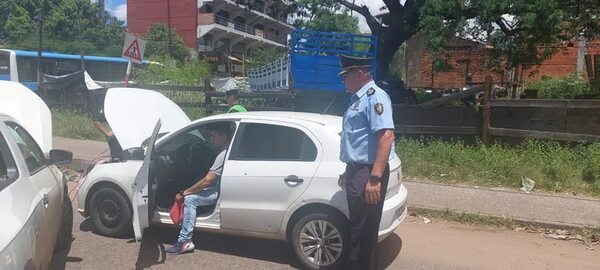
(280, 177)
(37, 216)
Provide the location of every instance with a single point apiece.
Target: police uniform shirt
(370, 110)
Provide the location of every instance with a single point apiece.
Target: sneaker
(180, 248)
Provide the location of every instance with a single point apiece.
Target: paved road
(415, 245)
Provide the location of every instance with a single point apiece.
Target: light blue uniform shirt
(370, 111)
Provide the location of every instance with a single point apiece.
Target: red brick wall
(143, 13)
(458, 59)
(563, 63)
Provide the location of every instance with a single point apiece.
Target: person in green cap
(233, 102)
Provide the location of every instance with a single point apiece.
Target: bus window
(4, 66)
(27, 68)
(117, 71)
(64, 67)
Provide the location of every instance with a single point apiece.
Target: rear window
(273, 143)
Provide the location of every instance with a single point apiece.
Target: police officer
(233, 102)
(367, 142)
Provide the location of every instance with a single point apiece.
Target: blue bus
(21, 66)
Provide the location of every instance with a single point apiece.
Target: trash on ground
(426, 220)
(527, 183)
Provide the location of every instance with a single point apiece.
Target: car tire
(110, 213)
(332, 249)
(65, 232)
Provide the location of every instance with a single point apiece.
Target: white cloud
(120, 12)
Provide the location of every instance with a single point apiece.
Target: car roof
(284, 116)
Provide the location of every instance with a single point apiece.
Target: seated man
(204, 192)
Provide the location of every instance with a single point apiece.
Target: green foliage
(171, 72)
(521, 32)
(70, 26)
(553, 166)
(564, 88)
(265, 55)
(396, 71)
(331, 21)
(158, 43)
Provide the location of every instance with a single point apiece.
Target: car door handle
(293, 179)
(45, 200)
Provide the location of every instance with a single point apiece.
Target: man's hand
(179, 198)
(373, 192)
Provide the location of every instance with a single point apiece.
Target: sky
(119, 9)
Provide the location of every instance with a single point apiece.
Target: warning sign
(134, 48)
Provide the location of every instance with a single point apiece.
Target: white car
(37, 216)
(280, 177)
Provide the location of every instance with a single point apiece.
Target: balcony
(210, 18)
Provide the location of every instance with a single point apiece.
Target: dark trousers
(364, 218)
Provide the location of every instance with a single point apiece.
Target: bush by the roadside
(561, 88)
(74, 123)
(553, 167)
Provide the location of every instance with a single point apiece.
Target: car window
(34, 157)
(8, 168)
(273, 142)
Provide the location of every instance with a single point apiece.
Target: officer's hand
(373, 192)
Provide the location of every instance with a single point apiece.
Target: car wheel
(110, 213)
(65, 233)
(321, 241)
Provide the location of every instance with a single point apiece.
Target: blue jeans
(191, 202)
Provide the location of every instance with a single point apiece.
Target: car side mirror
(59, 157)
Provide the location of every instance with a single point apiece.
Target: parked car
(280, 177)
(34, 202)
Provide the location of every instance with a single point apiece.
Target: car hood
(19, 102)
(132, 114)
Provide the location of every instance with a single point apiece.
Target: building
(468, 62)
(221, 31)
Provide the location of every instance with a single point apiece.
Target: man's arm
(105, 131)
(385, 139)
(201, 184)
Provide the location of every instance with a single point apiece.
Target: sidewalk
(532, 207)
(82, 149)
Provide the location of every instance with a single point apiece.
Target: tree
(158, 43)
(70, 26)
(264, 55)
(518, 30)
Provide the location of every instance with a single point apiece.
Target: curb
(539, 223)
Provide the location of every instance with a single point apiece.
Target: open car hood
(132, 114)
(19, 102)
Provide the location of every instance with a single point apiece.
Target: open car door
(144, 189)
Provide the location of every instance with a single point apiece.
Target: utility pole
(170, 45)
(101, 10)
(40, 18)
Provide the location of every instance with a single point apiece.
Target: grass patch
(74, 123)
(553, 166)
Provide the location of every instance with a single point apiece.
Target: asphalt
(536, 207)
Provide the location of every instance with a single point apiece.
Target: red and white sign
(134, 48)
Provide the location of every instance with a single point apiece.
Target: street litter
(426, 220)
(527, 183)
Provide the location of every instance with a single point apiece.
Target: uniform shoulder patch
(379, 108)
(371, 91)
